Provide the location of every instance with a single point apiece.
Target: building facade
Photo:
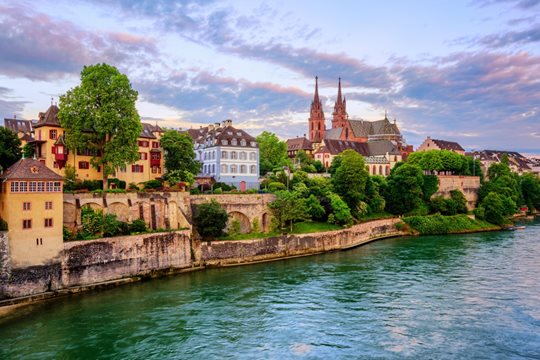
(227, 155)
(517, 162)
(31, 202)
(48, 140)
(435, 144)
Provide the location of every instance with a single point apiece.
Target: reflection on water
(466, 296)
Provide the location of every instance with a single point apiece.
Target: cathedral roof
(362, 128)
(333, 134)
(373, 148)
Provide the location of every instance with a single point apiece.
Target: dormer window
(252, 144)
(243, 142)
(234, 142)
(224, 142)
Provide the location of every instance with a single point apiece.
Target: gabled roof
(373, 148)
(382, 147)
(363, 128)
(496, 155)
(148, 131)
(299, 144)
(218, 133)
(30, 169)
(19, 125)
(49, 117)
(448, 145)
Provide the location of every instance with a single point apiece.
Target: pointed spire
(52, 99)
(316, 98)
(339, 100)
(385, 115)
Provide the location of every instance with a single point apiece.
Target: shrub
(223, 186)
(255, 226)
(132, 186)
(210, 219)
(153, 184)
(137, 226)
(276, 186)
(218, 191)
(194, 191)
(91, 221)
(111, 226)
(120, 184)
(235, 227)
(67, 235)
(340, 211)
(439, 224)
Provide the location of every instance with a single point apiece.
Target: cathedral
(350, 130)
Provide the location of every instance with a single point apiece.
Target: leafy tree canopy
(440, 160)
(272, 152)
(404, 191)
(288, 207)
(179, 154)
(349, 179)
(10, 148)
(210, 219)
(100, 115)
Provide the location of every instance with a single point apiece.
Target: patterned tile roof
(49, 117)
(217, 133)
(29, 169)
(448, 145)
(299, 144)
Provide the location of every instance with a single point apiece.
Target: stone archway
(245, 224)
(265, 224)
(120, 210)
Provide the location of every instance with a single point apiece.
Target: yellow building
(51, 150)
(31, 202)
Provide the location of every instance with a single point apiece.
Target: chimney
(217, 124)
(227, 122)
(210, 127)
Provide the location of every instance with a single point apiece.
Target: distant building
(435, 144)
(380, 156)
(46, 135)
(297, 144)
(346, 129)
(517, 162)
(31, 202)
(227, 155)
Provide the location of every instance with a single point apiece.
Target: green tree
(349, 179)
(70, 177)
(288, 208)
(530, 188)
(494, 208)
(314, 208)
(341, 212)
(272, 152)
(100, 115)
(10, 148)
(404, 190)
(28, 151)
(210, 219)
(179, 156)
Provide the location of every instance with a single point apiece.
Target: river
(456, 296)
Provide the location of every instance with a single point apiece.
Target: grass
(305, 227)
(439, 224)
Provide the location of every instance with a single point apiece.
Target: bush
(67, 235)
(137, 226)
(255, 226)
(210, 219)
(194, 191)
(91, 221)
(153, 184)
(111, 226)
(133, 187)
(218, 191)
(223, 186)
(120, 184)
(276, 186)
(439, 224)
(341, 213)
(235, 227)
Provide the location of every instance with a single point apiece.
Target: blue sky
(467, 71)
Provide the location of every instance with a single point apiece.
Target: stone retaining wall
(89, 262)
(221, 253)
(468, 185)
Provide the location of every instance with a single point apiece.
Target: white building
(227, 154)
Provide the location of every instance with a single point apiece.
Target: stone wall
(5, 265)
(94, 261)
(166, 210)
(244, 251)
(468, 185)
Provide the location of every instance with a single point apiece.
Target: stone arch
(119, 209)
(173, 215)
(93, 205)
(245, 224)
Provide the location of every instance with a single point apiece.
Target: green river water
(471, 296)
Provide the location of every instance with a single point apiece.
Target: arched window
(253, 169)
(233, 169)
(234, 155)
(380, 169)
(387, 170)
(213, 168)
(213, 154)
(243, 169)
(224, 168)
(252, 156)
(224, 155)
(243, 155)
(319, 126)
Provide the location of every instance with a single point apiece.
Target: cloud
(36, 46)
(519, 4)
(528, 36)
(9, 107)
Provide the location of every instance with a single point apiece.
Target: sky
(465, 71)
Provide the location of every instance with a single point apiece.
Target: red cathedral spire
(316, 117)
(339, 116)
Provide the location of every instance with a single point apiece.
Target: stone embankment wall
(245, 251)
(468, 185)
(94, 261)
(166, 210)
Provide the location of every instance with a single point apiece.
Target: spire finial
(52, 99)
(316, 97)
(385, 114)
(339, 100)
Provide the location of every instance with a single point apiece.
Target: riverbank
(440, 225)
(97, 264)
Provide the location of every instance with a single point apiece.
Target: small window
(48, 222)
(252, 156)
(14, 186)
(243, 142)
(224, 155)
(155, 145)
(48, 205)
(224, 142)
(84, 165)
(40, 186)
(27, 223)
(137, 168)
(234, 155)
(23, 186)
(253, 169)
(143, 156)
(243, 169)
(52, 134)
(27, 206)
(234, 142)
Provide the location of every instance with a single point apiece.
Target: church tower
(340, 116)
(316, 117)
